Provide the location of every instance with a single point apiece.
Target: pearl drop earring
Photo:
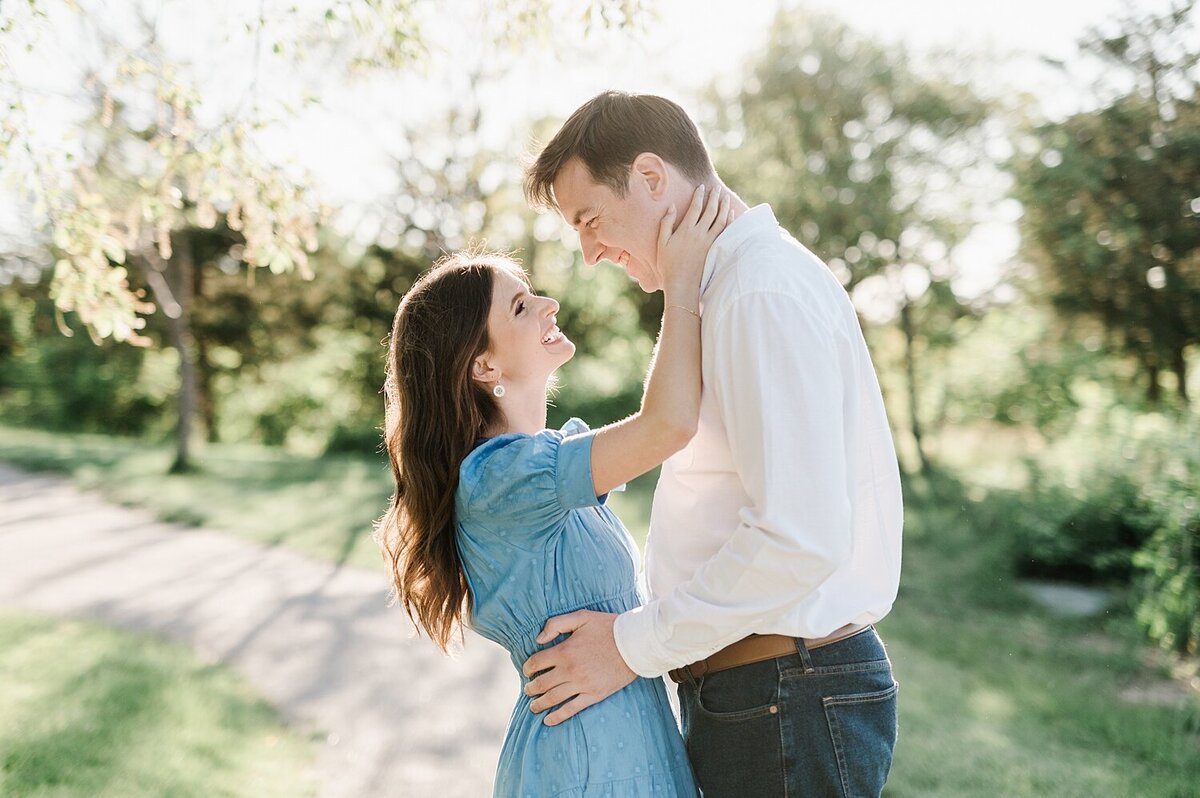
(498, 391)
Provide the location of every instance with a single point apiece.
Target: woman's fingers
(726, 210)
(710, 210)
(693, 212)
(708, 214)
(666, 227)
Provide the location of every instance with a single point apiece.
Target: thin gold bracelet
(689, 310)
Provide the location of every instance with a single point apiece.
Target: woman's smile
(553, 335)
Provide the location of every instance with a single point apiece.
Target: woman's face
(524, 342)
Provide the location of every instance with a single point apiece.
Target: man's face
(623, 230)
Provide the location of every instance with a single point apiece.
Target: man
(775, 535)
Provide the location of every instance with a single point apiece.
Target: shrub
(1090, 538)
(1167, 586)
(363, 439)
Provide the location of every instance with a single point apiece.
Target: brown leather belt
(757, 648)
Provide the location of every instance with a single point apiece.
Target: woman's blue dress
(536, 542)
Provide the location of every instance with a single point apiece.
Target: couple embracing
(775, 531)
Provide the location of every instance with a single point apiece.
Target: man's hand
(582, 670)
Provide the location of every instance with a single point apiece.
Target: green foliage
(1006, 703)
(1009, 367)
(841, 135)
(1124, 512)
(357, 439)
(159, 160)
(1112, 216)
(607, 316)
(1089, 538)
(89, 712)
(966, 545)
(850, 143)
(1167, 584)
(199, 176)
(1001, 698)
(71, 384)
(278, 361)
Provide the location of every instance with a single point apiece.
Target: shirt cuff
(638, 644)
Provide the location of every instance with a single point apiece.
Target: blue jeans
(813, 723)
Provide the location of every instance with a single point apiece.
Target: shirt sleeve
(779, 386)
(522, 485)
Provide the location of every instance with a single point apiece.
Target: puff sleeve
(522, 486)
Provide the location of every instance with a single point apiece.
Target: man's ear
(650, 171)
(483, 372)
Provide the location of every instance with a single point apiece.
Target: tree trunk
(171, 282)
(1153, 390)
(1179, 366)
(206, 402)
(910, 372)
(181, 267)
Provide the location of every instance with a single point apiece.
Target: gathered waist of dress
(522, 643)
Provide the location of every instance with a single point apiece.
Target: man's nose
(592, 249)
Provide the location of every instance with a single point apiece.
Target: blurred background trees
(1059, 395)
(855, 151)
(153, 161)
(1112, 220)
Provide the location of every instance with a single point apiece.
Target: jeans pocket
(742, 693)
(862, 727)
(732, 721)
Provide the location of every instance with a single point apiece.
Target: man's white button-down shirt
(783, 515)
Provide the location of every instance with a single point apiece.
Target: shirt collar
(758, 219)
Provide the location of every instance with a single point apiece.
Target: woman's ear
(483, 372)
(650, 170)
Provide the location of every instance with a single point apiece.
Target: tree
(154, 161)
(1112, 197)
(856, 152)
(146, 170)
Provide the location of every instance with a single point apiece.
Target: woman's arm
(671, 404)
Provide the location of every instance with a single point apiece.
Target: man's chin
(645, 284)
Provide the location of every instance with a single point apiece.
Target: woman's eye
(520, 308)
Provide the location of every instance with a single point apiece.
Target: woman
(499, 523)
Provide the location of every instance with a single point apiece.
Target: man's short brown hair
(607, 132)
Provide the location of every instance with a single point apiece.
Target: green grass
(997, 697)
(91, 712)
(321, 507)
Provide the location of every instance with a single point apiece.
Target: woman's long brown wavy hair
(435, 412)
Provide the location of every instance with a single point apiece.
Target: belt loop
(805, 656)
